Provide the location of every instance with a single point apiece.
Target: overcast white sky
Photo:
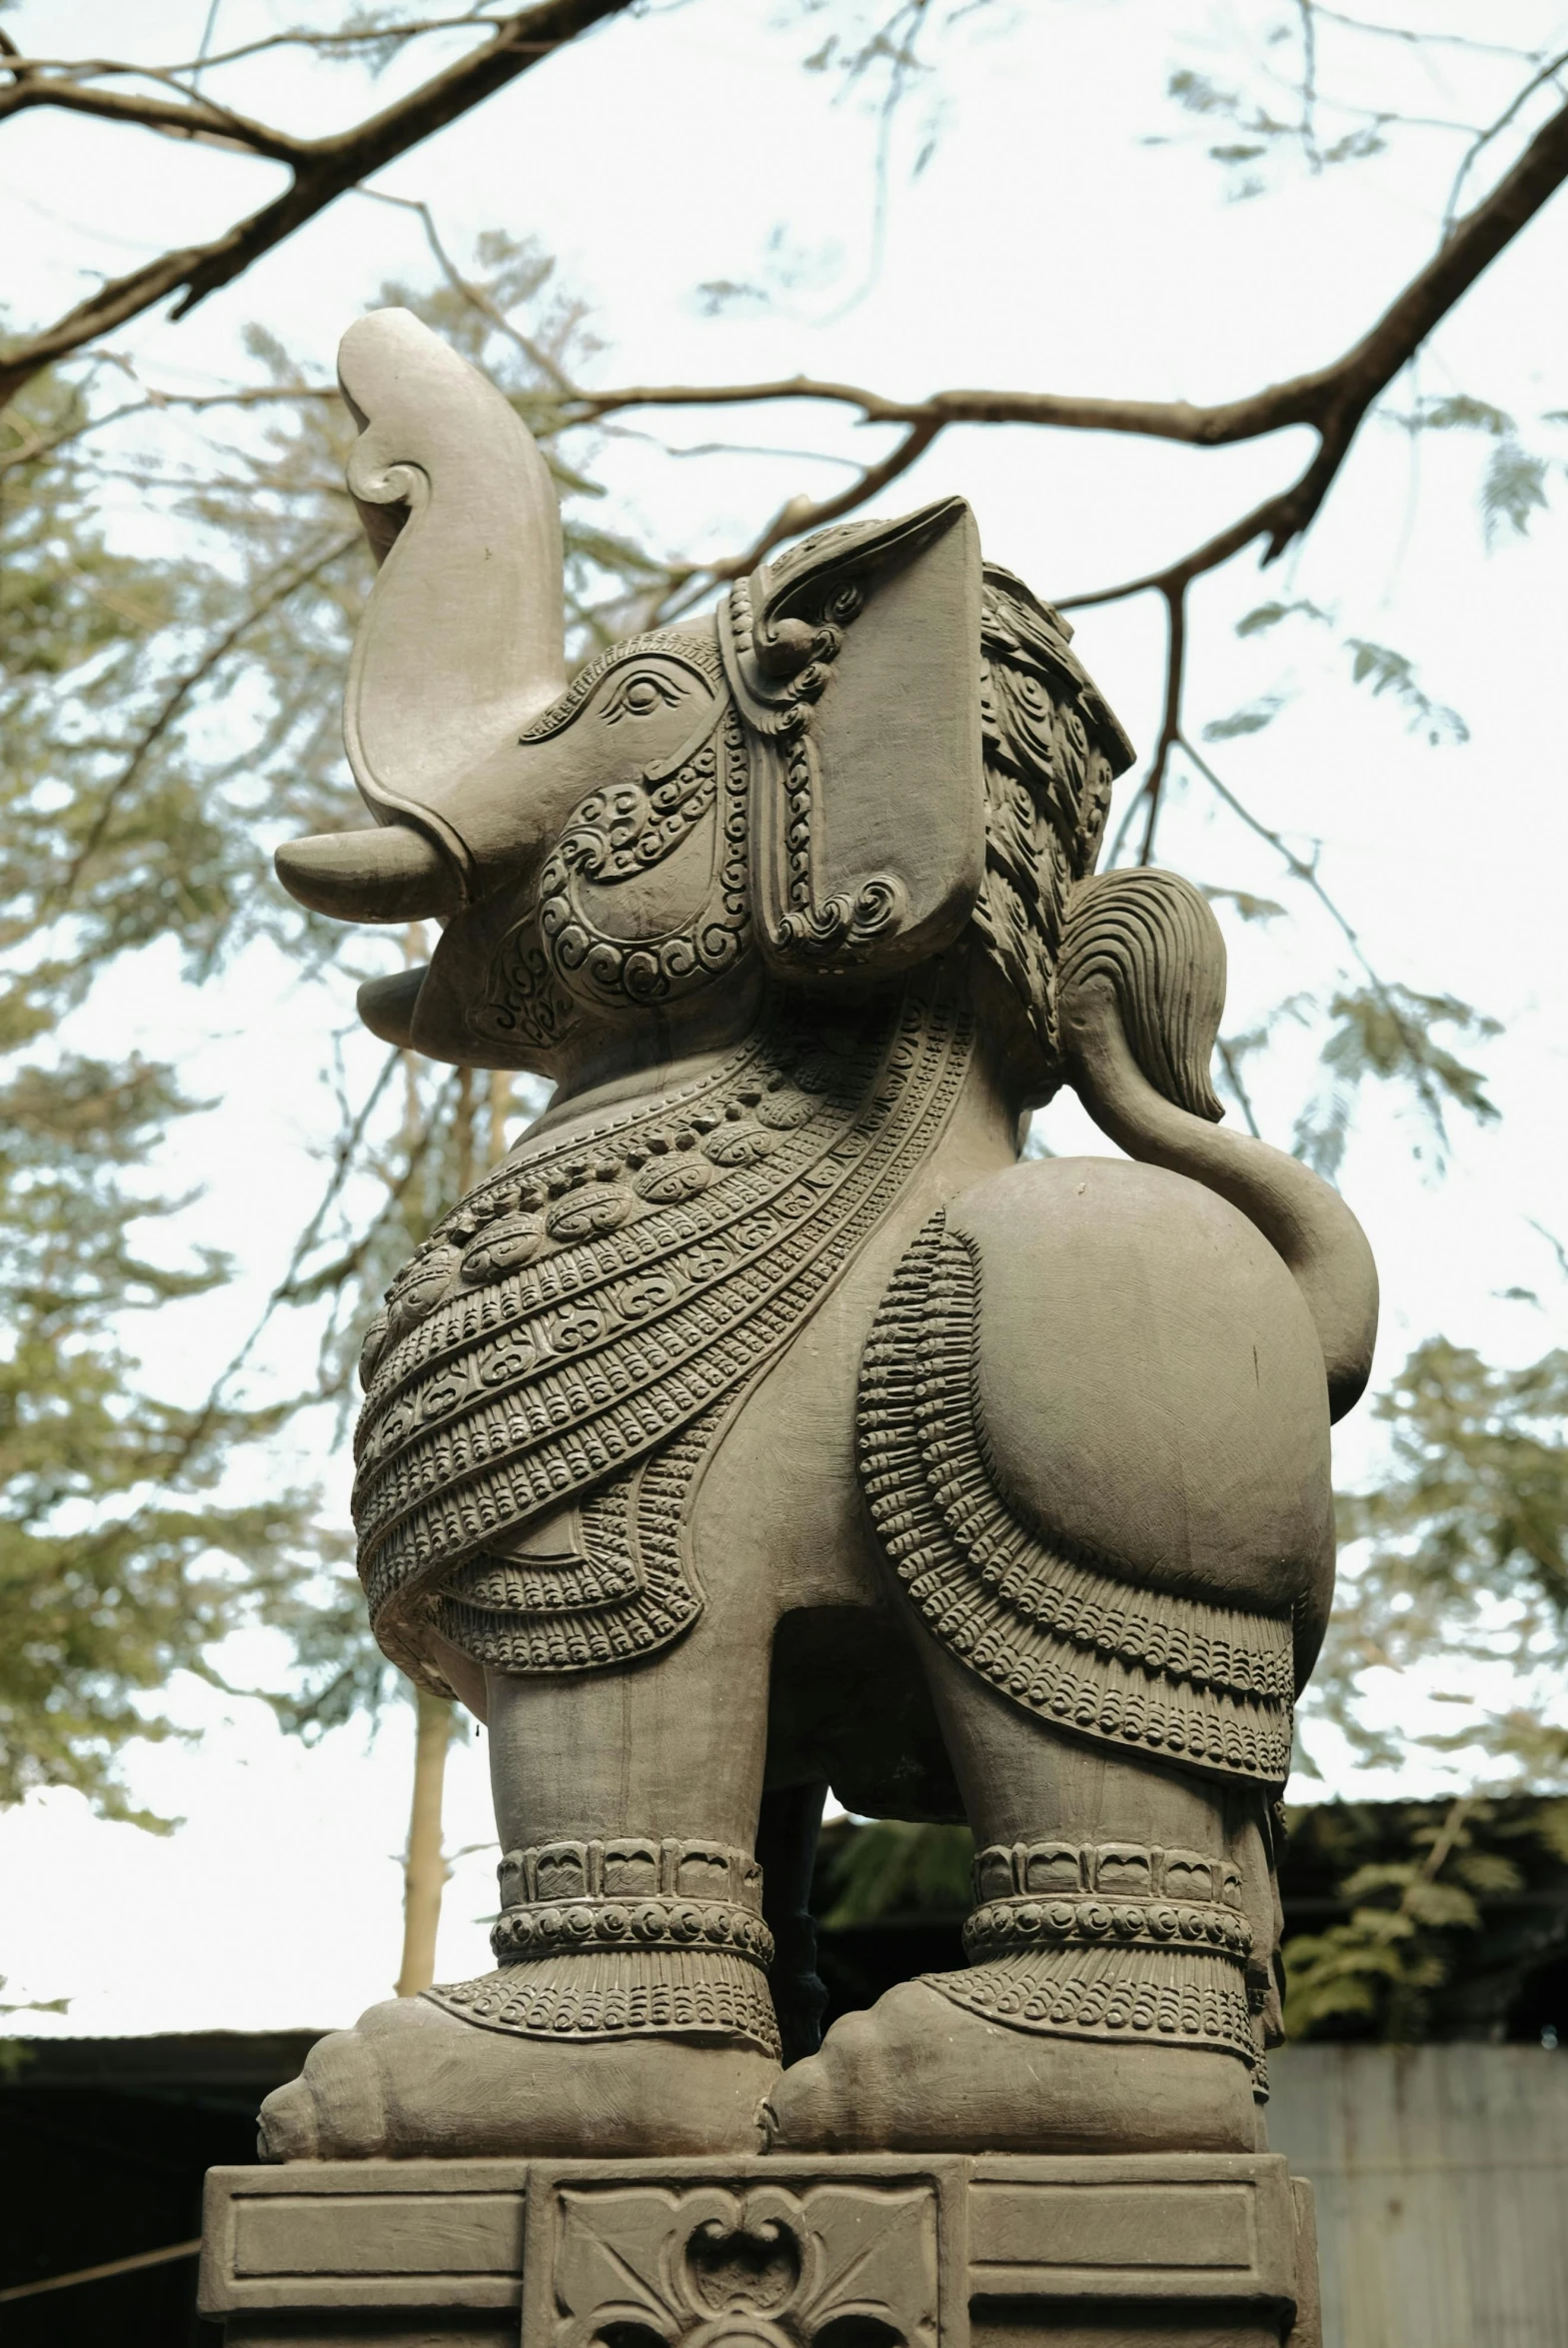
(1044, 247)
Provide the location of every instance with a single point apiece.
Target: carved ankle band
(629, 1867)
(1117, 1942)
(626, 1924)
(1055, 1894)
(632, 1938)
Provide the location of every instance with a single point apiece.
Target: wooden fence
(1441, 2176)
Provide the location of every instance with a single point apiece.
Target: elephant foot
(920, 2073)
(413, 2077)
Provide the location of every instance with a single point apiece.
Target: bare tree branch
(324, 169)
(1548, 73)
(34, 446)
(177, 697)
(475, 295)
(187, 118)
(795, 518)
(1333, 400)
(354, 37)
(1170, 721)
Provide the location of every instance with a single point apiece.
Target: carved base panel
(782, 2251)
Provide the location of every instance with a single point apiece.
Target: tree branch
(324, 169)
(193, 118)
(176, 700)
(1333, 400)
(34, 446)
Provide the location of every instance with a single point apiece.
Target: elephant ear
(855, 662)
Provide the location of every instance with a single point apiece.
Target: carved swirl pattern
(1005, 1926)
(614, 836)
(1066, 1636)
(597, 1299)
(649, 1923)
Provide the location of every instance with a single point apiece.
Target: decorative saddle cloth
(569, 1340)
(1056, 1628)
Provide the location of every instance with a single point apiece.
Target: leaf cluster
(1437, 1902)
(169, 715)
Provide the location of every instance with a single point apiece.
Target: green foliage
(1393, 673)
(118, 1563)
(1513, 484)
(1250, 719)
(1420, 1933)
(1472, 1516)
(1386, 1032)
(1266, 616)
(167, 716)
(889, 1868)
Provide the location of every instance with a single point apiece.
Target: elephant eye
(640, 695)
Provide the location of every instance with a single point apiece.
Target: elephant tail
(1140, 992)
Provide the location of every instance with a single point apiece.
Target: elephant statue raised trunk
(763, 1423)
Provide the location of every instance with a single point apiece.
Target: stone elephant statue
(763, 1423)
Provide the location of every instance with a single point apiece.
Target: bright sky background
(1044, 247)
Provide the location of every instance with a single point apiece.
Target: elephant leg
(630, 2010)
(786, 1835)
(1074, 2027)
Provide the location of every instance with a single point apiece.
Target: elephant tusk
(387, 874)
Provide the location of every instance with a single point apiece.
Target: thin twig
(1483, 139)
(175, 701)
(1232, 1068)
(153, 404)
(1170, 721)
(1307, 875)
(324, 169)
(97, 2274)
(475, 295)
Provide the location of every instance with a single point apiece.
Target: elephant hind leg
(1124, 1924)
(917, 2073)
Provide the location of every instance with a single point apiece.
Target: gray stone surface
(762, 1425)
(779, 2252)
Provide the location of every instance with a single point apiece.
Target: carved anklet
(627, 1938)
(1114, 1941)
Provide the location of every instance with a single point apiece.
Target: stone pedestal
(1131, 2251)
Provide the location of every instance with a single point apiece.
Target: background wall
(1441, 2176)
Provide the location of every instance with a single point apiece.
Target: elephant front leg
(628, 2012)
(1119, 1953)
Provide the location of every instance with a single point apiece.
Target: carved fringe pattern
(622, 1993)
(1154, 938)
(626, 1592)
(1051, 752)
(1111, 1942)
(596, 1298)
(627, 1938)
(1063, 1635)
